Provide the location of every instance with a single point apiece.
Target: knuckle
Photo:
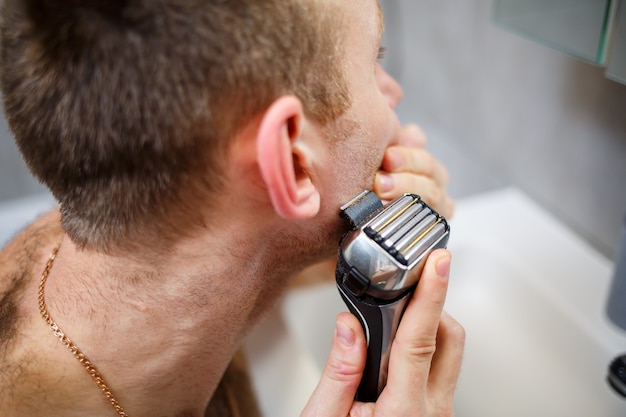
(340, 371)
(459, 333)
(454, 331)
(431, 193)
(417, 351)
(424, 162)
(437, 194)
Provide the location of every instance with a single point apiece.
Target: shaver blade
(393, 241)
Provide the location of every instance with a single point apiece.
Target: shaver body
(379, 264)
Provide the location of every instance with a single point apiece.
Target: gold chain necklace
(78, 354)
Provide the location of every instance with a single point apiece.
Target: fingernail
(345, 335)
(443, 266)
(385, 182)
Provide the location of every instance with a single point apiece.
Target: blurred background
(503, 108)
(499, 109)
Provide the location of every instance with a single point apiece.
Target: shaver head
(375, 258)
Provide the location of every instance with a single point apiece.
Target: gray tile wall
(15, 179)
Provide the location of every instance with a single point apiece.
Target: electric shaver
(379, 264)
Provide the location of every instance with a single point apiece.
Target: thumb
(335, 392)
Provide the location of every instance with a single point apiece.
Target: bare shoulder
(20, 261)
(21, 252)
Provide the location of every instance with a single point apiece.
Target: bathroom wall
(15, 179)
(521, 112)
(498, 109)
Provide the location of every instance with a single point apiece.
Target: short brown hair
(119, 106)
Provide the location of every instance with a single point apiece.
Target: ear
(284, 162)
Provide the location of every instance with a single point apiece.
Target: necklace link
(78, 354)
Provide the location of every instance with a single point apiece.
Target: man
(199, 153)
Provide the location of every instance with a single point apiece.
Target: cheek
(372, 109)
(384, 126)
(366, 148)
(379, 128)
(370, 127)
(354, 162)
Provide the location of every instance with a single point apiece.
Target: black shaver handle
(380, 321)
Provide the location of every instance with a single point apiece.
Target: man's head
(120, 106)
(309, 172)
(129, 111)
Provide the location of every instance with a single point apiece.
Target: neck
(164, 329)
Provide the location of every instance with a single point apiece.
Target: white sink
(531, 296)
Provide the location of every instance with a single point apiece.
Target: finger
(390, 186)
(416, 340)
(446, 365)
(416, 161)
(413, 136)
(335, 392)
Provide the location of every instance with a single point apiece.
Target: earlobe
(283, 163)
